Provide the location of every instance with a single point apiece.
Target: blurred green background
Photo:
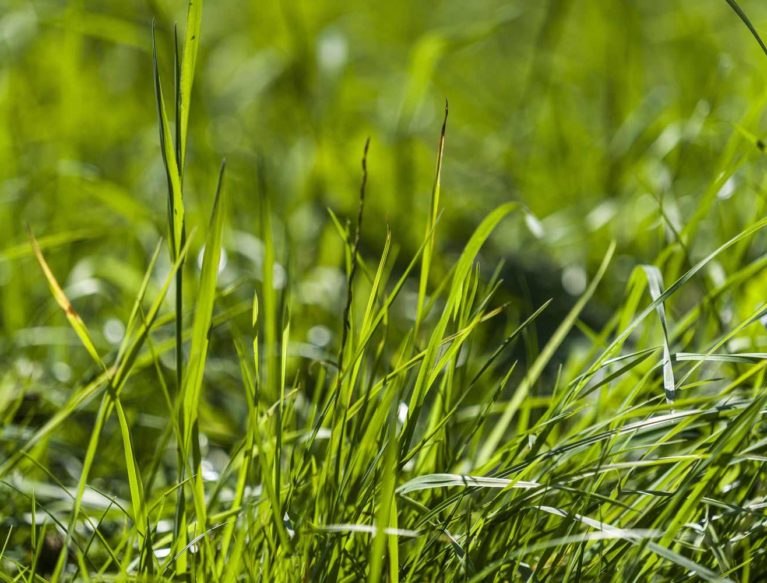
(605, 119)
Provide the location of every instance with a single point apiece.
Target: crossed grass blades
(417, 452)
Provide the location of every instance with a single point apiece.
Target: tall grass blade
(431, 224)
(188, 63)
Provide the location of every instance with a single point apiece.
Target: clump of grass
(421, 451)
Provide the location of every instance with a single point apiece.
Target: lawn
(406, 291)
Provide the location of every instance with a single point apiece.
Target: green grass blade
(188, 63)
(655, 283)
(175, 196)
(206, 295)
(61, 299)
(431, 224)
(747, 21)
(432, 481)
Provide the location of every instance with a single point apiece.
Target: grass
(412, 420)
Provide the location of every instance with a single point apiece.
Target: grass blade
(61, 299)
(655, 283)
(188, 63)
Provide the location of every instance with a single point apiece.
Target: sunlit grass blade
(61, 299)
(432, 481)
(655, 283)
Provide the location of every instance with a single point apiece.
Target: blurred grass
(586, 113)
(606, 121)
(634, 123)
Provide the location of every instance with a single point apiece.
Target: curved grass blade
(747, 21)
(432, 481)
(655, 283)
